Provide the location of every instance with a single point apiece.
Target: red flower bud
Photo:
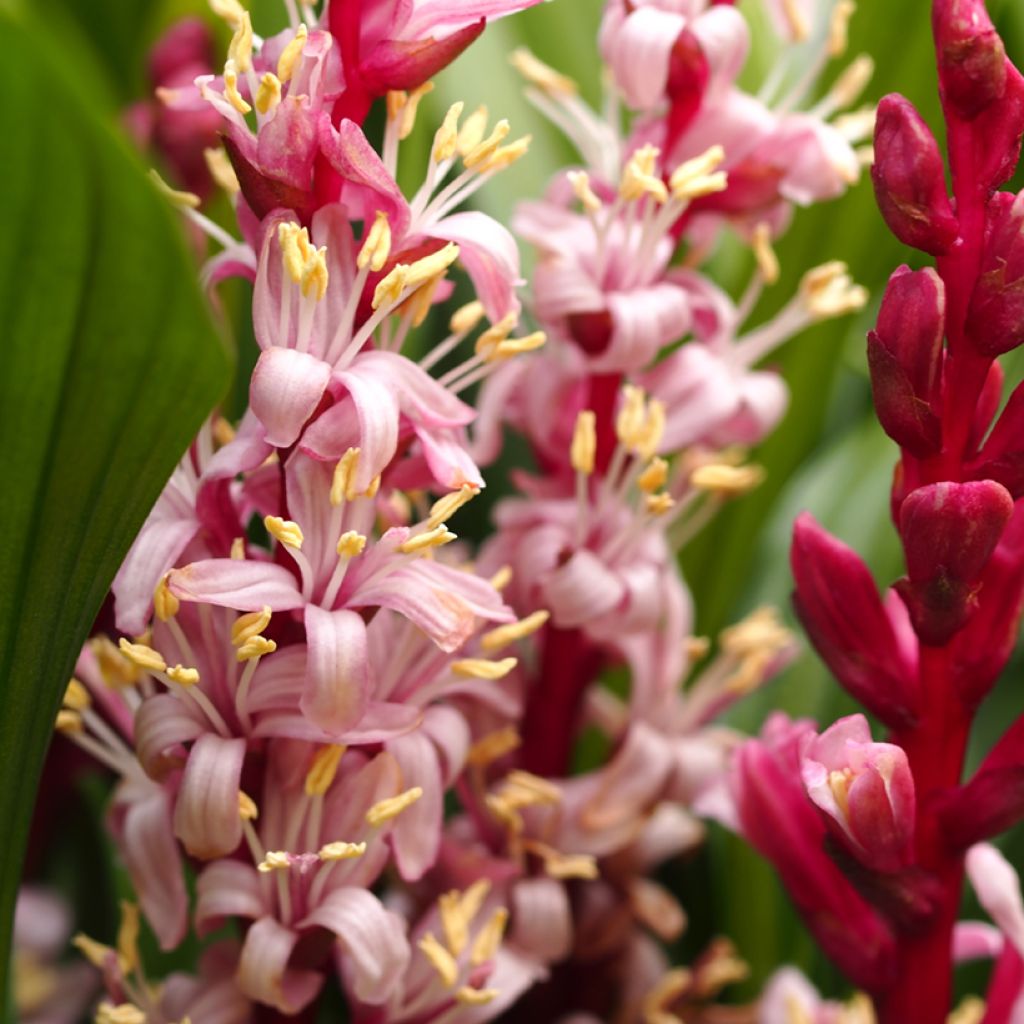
(972, 58)
(909, 178)
(949, 532)
(905, 357)
(869, 647)
(1002, 456)
(995, 316)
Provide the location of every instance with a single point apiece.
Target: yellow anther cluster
(471, 131)
(488, 939)
(458, 910)
(122, 1013)
(376, 247)
(268, 95)
(427, 540)
(537, 73)
(385, 810)
(517, 346)
(654, 476)
(142, 656)
(482, 668)
(490, 339)
(696, 647)
(234, 97)
(466, 317)
(275, 860)
(255, 647)
(829, 291)
(583, 448)
(725, 480)
(754, 643)
(304, 263)
(440, 959)
(183, 676)
(343, 482)
(444, 508)
(640, 423)
(76, 696)
(350, 544)
(469, 996)
(488, 146)
(501, 636)
(183, 200)
(68, 721)
(240, 47)
(659, 504)
(666, 991)
(639, 177)
(165, 604)
(247, 809)
(96, 953)
(699, 176)
(520, 789)
(494, 745)
(767, 261)
(838, 27)
(447, 135)
(290, 55)
(970, 1011)
(323, 769)
(580, 182)
(237, 553)
(114, 668)
(718, 967)
(284, 530)
(249, 625)
(404, 278)
(403, 106)
(341, 851)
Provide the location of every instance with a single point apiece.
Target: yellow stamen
(294, 242)
(444, 508)
(350, 544)
(116, 671)
(630, 419)
(472, 131)
(440, 959)
(427, 268)
(223, 432)
(275, 860)
(564, 865)
(659, 504)
(247, 809)
(142, 656)
(970, 1011)
(268, 95)
(165, 604)
(517, 346)
(95, 952)
(183, 200)
(410, 107)
(853, 81)
(428, 539)
(284, 530)
(394, 101)
(839, 782)
(501, 636)
(725, 480)
(490, 339)
(128, 936)
(123, 1013)
(583, 448)
(486, 148)
(506, 156)
(324, 768)
(376, 248)
(341, 851)
(524, 789)
(68, 722)
(230, 11)
(391, 286)
(666, 991)
(653, 429)
(255, 647)
(767, 261)
(315, 275)
(251, 624)
(829, 291)
(488, 940)
(838, 27)
(494, 745)
(290, 55)
(580, 182)
(234, 97)
(696, 647)
(446, 137)
(237, 553)
(469, 996)
(502, 578)
(183, 676)
(481, 668)
(240, 47)
(537, 73)
(385, 810)
(639, 178)
(653, 477)
(76, 696)
(343, 483)
(466, 317)
(798, 26)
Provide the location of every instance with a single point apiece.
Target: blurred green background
(828, 456)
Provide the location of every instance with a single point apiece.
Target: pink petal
(162, 723)
(243, 584)
(227, 888)
(582, 589)
(206, 816)
(998, 888)
(286, 143)
(263, 972)
(542, 919)
(337, 671)
(416, 836)
(376, 409)
(976, 940)
(639, 54)
(450, 463)
(644, 320)
(420, 397)
(285, 390)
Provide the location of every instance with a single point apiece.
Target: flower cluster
(358, 734)
(871, 838)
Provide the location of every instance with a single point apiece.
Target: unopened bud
(971, 56)
(995, 316)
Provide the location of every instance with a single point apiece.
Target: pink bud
(990, 803)
(972, 58)
(909, 178)
(855, 634)
(188, 44)
(905, 357)
(949, 532)
(865, 791)
(1002, 456)
(995, 316)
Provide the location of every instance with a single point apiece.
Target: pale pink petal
(582, 589)
(286, 143)
(266, 296)
(541, 918)
(976, 940)
(789, 994)
(227, 888)
(162, 724)
(206, 815)
(639, 54)
(380, 722)
(263, 972)
(286, 388)
(243, 584)
(420, 397)
(416, 836)
(724, 38)
(450, 463)
(439, 17)
(337, 671)
(376, 408)
(998, 889)
(376, 952)
(644, 320)
(450, 734)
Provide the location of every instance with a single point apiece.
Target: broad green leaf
(110, 364)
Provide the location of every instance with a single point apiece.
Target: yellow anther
(165, 604)
(427, 268)
(410, 107)
(853, 81)
(315, 275)
(654, 429)
(502, 578)
(440, 959)
(128, 937)
(970, 1011)
(394, 100)
(653, 477)
(472, 131)
(376, 248)
(696, 647)
(221, 429)
(247, 809)
(350, 544)
(564, 865)
(237, 553)
(183, 200)
(504, 813)
(466, 317)
(580, 182)
(385, 810)
(123, 1013)
(796, 20)
(96, 953)
(481, 668)
(657, 909)
(659, 504)
(699, 175)
(142, 656)
(725, 480)
(856, 125)
(494, 745)
(453, 921)
(68, 721)
(639, 178)
(524, 789)
(234, 97)
(240, 47)
(183, 676)
(838, 27)
(630, 419)
(428, 539)
(537, 73)
(505, 156)
(583, 448)
(486, 148)
(290, 55)
(767, 261)
(444, 508)
(284, 530)
(390, 287)
(76, 696)
(720, 966)
(666, 991)
(116, 671)
(446, 137)
(761, 630)
(323, 769)
(518, 346)
(295, 249)
(829, 291)
(488, 939)
(343, 482)
(341, 851)
(247, 626)
(268, 95)
(501, 636)
(490, 339)
(230, 11)
(469, 996)
(255, 647)
(839, 782)
(275, 860)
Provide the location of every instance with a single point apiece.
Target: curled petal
(263, 972)
(244, 585)
(162, 724)
(286, 388)
(542, 919)
(227, 888)
(581, 590)
(206, 816)
(640, 51)
(337, 671)
(416, 836)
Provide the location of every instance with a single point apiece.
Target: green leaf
(111, 362)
